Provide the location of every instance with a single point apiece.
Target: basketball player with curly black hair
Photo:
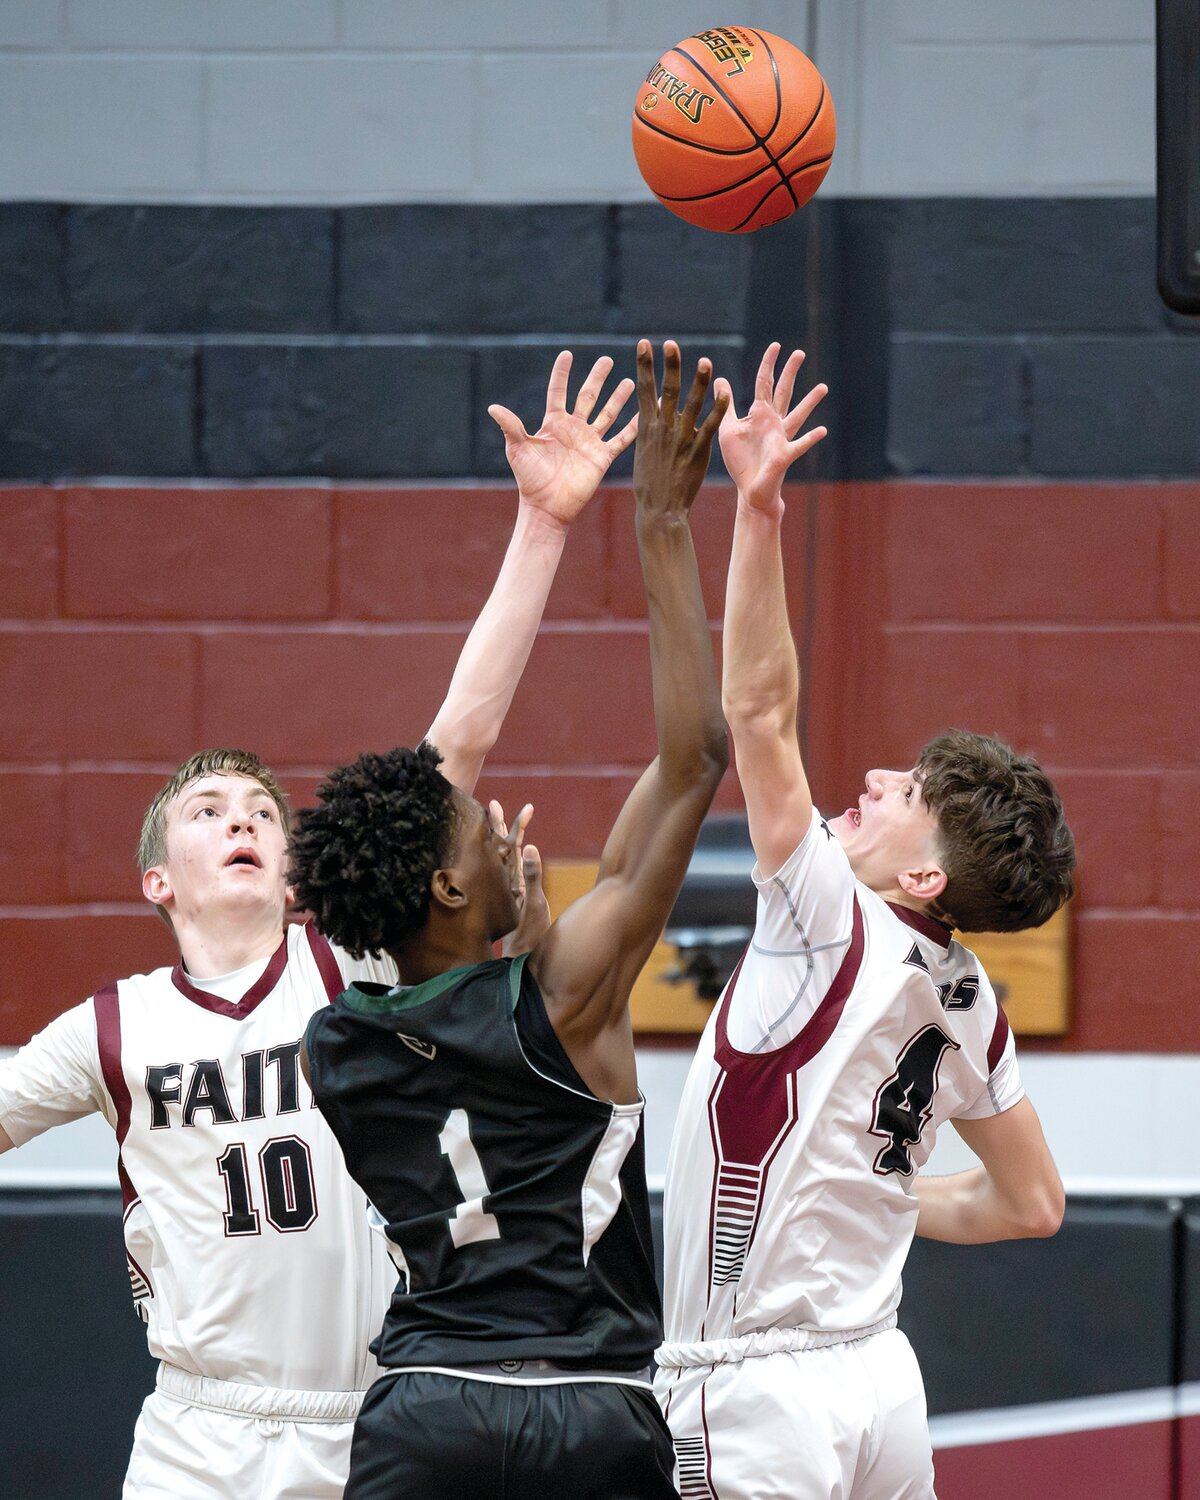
(488, 1107)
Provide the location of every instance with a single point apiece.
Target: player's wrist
(538, 523)
(761, 501)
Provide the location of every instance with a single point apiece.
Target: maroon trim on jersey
(327, 964)
(999, 1039)
(929, 927)
(236, 1010)
(107, 1008)
(820, 1027)
(139, 1282)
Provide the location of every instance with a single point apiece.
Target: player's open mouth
(853, 816)
(244, 857)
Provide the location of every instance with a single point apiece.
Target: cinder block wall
(288, 249)
(484, 101)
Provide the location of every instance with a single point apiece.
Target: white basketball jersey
(250, 1253)
(849, 1032)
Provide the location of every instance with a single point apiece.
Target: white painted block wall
(342, 101)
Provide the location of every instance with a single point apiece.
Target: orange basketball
(733, 129)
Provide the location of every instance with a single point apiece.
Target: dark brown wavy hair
(1008, 854)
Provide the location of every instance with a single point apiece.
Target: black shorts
(444, 1437)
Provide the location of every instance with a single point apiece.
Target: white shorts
(843, 1422)
(199, 1439)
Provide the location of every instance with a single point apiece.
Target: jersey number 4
(904, 1102)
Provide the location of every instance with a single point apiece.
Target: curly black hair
(363, 858)
(1008, 853)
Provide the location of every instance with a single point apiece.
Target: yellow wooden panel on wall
(656, 1005)
(1031, 971)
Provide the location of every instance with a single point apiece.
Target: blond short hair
(152, 845)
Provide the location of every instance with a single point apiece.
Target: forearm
(968, 1208)
(687, 705)
(761, 678)
(469, 721)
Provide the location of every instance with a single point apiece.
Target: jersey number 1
(468, 1223)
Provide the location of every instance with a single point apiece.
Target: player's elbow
(1041, 1212)
(761, 720)
(716, 747)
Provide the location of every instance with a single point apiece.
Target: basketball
(733, 129)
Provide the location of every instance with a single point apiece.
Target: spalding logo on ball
(733, 129)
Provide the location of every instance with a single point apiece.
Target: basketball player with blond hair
(250, 1256)
(853, 1027)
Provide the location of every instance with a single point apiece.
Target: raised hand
(760, 447)
(526, 866)
(672, 454)
(559, 467)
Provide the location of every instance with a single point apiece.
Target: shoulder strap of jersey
(107, 1006)
(327, 964)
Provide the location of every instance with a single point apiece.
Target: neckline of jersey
(375, 1001)
(927, 926)
(235, 1010)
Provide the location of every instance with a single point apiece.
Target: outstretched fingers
(787, 381)
(589, 391)
(799, 415)
(723, 391)
(672, 364)
(647, 390)
(556, 389)
(509, 423)
(612, 408)
(617, 444)
(764, 381)
(722, 404)
(695, 399)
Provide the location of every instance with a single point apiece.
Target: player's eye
(908, 791)
(265, 813)
(206, 811)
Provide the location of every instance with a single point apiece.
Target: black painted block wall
(958, 336)
(1091, 1312)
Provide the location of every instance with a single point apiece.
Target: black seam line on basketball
(758, 146)
(779, 111)
(816, 162)
(698, 64)
(694, 145)
(745, 181)
(713, 151)
(762, 140)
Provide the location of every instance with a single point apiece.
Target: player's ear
(156, 885)
(924, 883)
(445, 890)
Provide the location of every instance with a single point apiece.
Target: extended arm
(760, 685)
(5, 1142)
(1015, 1194)
(588, 963)
(557, 469)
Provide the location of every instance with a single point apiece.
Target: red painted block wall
(311, 622)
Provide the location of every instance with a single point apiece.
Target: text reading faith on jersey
(270, 1078)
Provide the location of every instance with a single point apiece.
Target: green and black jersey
(514, 1199)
